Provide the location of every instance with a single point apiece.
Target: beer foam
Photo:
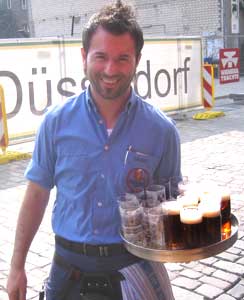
(210, 208)
(190, 216)
(211, 213)
(187, 200)
(172, 208)
(225, 197)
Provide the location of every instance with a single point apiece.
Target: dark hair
(117, 19)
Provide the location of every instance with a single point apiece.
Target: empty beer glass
(147, 201)
(134, 234)
(165, 181)
(156, 227)
(159, 191)
(130, 210)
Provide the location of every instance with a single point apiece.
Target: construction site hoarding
(38, 73)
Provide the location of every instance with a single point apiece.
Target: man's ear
(83, 54)
(138, 59)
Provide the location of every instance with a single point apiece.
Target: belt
(91, 250)
(93, 284)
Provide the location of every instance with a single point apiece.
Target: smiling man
(88, 148)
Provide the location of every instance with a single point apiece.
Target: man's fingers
(18, 295)
(14, 295)
(22, 294)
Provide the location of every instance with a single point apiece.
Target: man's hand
(30, 217)
(16, 285)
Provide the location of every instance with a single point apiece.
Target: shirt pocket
(75, 168)
(138, 170)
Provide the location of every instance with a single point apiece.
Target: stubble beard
(110, 94)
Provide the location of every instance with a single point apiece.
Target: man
(90, 148)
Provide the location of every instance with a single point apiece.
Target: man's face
(110, 64)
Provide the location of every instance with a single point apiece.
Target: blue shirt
(74, 152)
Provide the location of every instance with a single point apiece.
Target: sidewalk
(224, 90)
(211, 149)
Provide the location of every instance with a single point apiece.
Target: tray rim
(184, 255)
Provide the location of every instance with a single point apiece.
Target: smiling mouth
(110, 81)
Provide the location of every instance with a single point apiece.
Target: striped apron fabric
(146, 280)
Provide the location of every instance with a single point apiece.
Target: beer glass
(134, 234)
(146, 204)
(192, 226)
(173, 229)
(183, 185)
(211, 221)
(159, 191)
(130, 210)
(165, 181)
(188, 200)
(156, 227)
(226, 213)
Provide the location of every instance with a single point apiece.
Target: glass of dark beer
(189, 199)
(226, 213)
(173, 229)
(191, 219)
(211, 221)
(183, 185)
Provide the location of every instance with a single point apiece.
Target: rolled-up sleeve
(41, 167)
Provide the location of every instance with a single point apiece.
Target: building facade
(213, 20)
(210, 19)
(157, 18)
(14, 19)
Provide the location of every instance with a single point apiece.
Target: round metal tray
(185, 255)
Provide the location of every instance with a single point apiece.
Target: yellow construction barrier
(3, 123)
(7, 156)
(208, 115)
(208, 95)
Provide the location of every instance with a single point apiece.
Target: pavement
(212, 150)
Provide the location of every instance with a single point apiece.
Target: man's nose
(111, 67)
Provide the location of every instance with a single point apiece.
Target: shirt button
(106, 147)
(99, 204)
(100, 121)
(96, 231)
(102, 176)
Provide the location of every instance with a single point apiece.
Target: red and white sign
(208, 86)
(229, 65)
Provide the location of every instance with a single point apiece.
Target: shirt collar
(89, 100)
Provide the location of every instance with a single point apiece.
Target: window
(24, 4)
(9, 4)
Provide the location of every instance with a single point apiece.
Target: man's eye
(100, 57)
(124, 58)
